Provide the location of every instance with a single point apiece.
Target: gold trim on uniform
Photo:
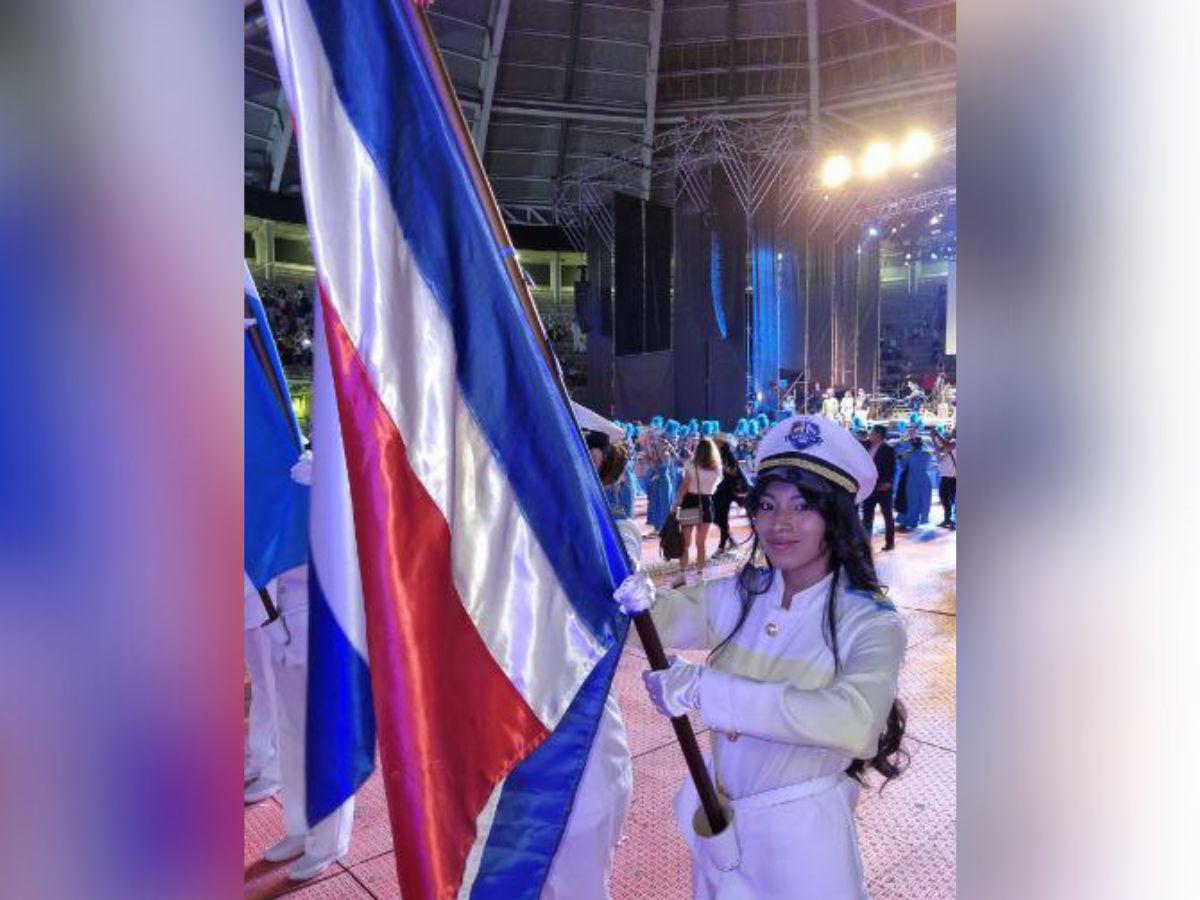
(808, 465)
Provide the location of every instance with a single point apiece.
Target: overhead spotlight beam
(905, 23)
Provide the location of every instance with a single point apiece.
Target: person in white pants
(328, 841)
(261, 769)
(583, 863)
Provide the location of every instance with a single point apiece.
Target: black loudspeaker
(641, 275)
(659, 241)
(629, 276)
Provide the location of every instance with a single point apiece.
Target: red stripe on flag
(450, 723)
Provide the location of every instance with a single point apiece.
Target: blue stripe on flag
(537, 797)
(339, 739)
(382, 83)
(275, 509)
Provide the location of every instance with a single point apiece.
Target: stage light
(836, 171)
(933, 256)
(874, 232)
(908, 256)
(876, 160)
(917, 147)
(935, 220)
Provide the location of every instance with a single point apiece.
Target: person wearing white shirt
(830, 408)
(946, 449)
(695, 507)
(847, 408)
(800, 685)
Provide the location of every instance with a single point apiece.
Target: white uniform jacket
(782, 721)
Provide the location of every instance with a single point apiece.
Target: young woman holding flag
(799, 688)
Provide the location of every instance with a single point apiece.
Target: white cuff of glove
(635, 594)
(302, 470)
(676, 690)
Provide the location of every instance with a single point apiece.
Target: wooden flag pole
(644, 624)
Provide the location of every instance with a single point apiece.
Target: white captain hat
(822, 447)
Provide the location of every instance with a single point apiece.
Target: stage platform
(907, 832)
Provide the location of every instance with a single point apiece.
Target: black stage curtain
(645, 386)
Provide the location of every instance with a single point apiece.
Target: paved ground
(907, 832)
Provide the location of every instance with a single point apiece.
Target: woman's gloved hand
(676, 690)
(635, 594)
(302, 470)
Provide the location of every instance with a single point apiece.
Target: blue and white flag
(276, 508)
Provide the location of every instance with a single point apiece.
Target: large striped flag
(486, 554)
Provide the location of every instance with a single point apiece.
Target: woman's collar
(801, 599)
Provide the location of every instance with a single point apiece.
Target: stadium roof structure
(569, 100)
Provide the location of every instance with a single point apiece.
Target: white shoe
(260, 789)
(288, 848)
(312, 866)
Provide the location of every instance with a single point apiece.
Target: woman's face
(791, 533)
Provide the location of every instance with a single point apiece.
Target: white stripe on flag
(405, 342)
(334, 545)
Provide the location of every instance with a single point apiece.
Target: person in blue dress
(915, 491)
(660, 494)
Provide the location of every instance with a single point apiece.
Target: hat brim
(820, 468)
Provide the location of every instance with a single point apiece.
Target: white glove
(675, 690)
(635, 594)
(302, 470)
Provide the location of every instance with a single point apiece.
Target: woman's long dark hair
(849, 552)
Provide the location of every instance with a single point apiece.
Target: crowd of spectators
(290, 313)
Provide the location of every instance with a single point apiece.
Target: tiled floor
(907, 832)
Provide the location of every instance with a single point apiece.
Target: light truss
(939, 199)
(519, 214)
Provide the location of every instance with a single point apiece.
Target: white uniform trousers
(582, 865)
(330, 836)
(262, 739)
(798, 842)
(581, 868)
